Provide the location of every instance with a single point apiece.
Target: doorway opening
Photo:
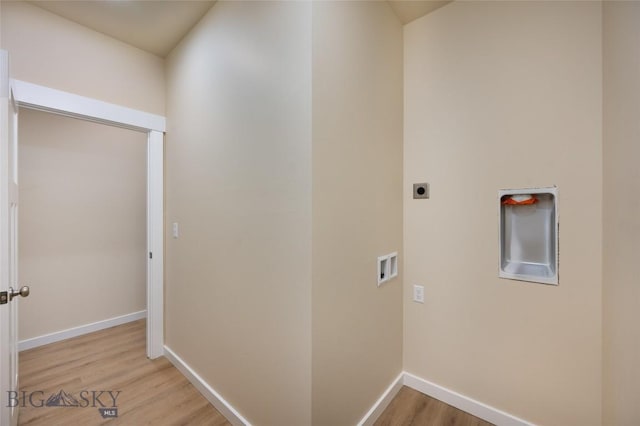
(33, 97)
(82, 226)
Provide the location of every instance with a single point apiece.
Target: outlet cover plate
(418, 293)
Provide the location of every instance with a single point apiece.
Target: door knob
(24, 292)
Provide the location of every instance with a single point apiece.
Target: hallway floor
(412, 408)
(75, 382)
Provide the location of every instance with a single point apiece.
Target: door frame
(41, 98)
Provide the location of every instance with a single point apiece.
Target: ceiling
(157, 26)
(154, 26)
(409, 10)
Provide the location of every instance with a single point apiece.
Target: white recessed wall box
(387, 267)
(529, 234)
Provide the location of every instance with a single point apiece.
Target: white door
(8, 249)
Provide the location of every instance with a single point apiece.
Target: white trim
(464, 403)
(382, 402)
(155, 244)
(34, 342)
(207, 391)
(33, 96)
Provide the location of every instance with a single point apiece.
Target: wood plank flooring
(152, 392)
(411, 407)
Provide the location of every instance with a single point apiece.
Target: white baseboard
(207, 391)
(382, 402)
(34, 342)
(464, 403)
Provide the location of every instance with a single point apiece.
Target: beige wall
(51, 51)
(82, 222)
(505, 95)
(621, 295)
(357, 206)
(238, 295)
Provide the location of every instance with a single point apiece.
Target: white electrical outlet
(418, 293)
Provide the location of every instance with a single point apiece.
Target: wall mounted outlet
(420, 190)
(418, 293)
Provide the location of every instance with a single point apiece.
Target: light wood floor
(411, 407)
(152, 391)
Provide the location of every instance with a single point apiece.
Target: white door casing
(155, 244)
(42, 98)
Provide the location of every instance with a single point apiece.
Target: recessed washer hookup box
(529, 234)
